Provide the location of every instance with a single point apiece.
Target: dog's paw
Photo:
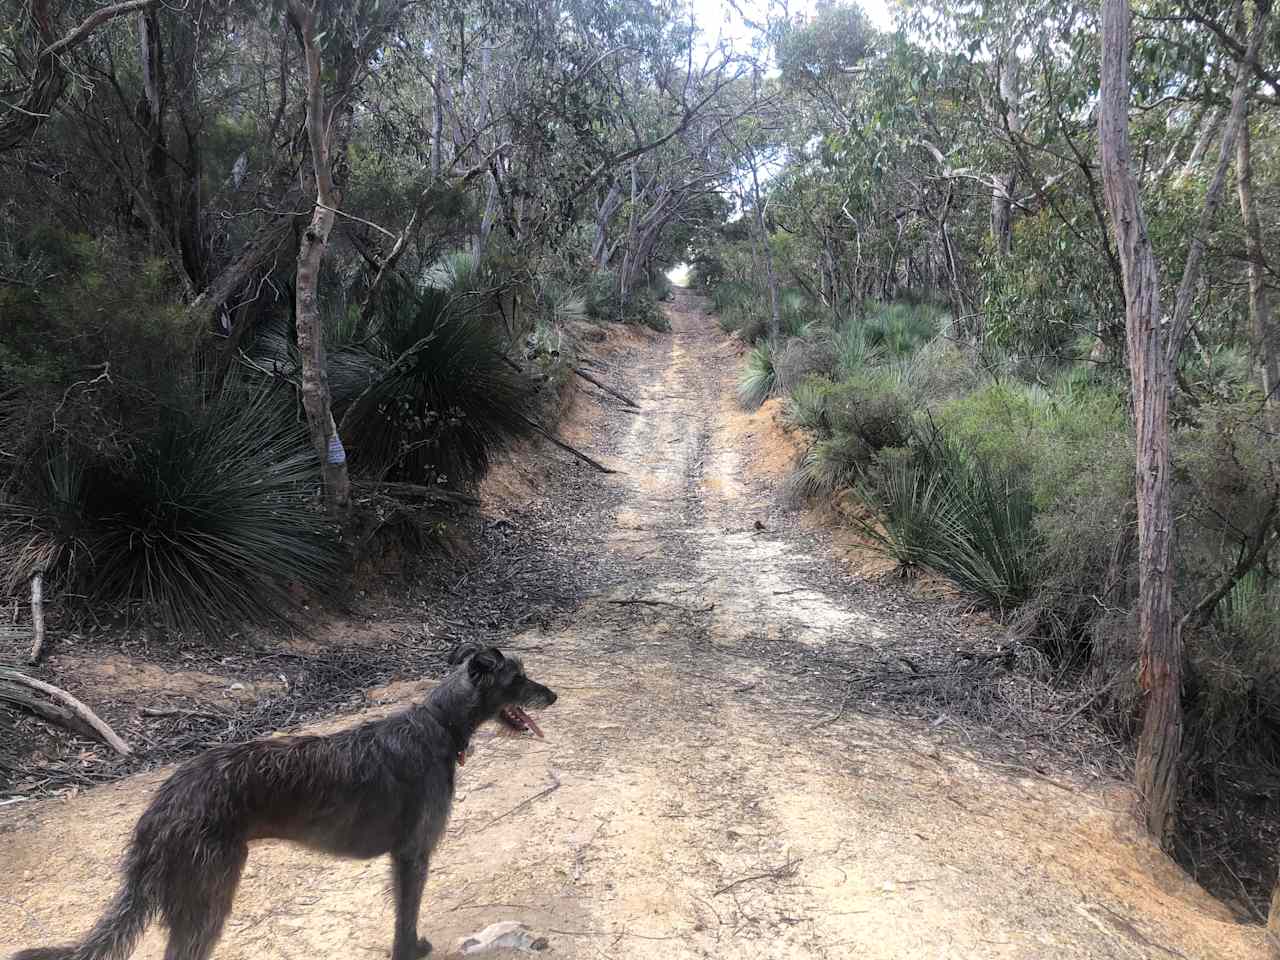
(424, 947)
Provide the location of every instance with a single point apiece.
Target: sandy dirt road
(691, 798)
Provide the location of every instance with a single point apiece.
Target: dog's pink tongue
(532, 726)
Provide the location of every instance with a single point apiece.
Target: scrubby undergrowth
(1012, 477)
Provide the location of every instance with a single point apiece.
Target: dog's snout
(551, 697)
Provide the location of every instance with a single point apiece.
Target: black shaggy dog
(382, 787)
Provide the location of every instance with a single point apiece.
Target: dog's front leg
(409, 868)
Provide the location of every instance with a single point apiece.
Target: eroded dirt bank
(699, 793)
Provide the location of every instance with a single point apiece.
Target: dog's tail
(113, 937)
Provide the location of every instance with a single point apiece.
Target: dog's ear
(484, 664)
(461, 651)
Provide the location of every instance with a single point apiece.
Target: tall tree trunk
(1002, 187)
(600, 249)
(1210, 126)
(1261, 332)
(1003, 184)
(1151, 369)
(1153, 347)
(437, 118)
(480, 241)
(770, 275)
(1273, 922)
(315, 383)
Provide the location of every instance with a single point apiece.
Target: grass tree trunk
(1261, 330)
(315, 384)
(1151, 369)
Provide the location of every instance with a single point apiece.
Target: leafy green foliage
(605, 303)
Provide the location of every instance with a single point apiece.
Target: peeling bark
(315, 383)
(1262, 333)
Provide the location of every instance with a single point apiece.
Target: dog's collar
(462, 757)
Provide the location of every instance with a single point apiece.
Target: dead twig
(784, 872)
(848, 692)
(177, 712)
(606, 388)
(664, 603)
(555, 785)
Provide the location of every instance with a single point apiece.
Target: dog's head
(505, 690)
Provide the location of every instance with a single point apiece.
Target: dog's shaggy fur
(382, 787)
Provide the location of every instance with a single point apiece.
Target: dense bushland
(165, 405)
(930, 280)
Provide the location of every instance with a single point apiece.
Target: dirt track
(692, 799)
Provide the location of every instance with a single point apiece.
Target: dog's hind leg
(198, 910)
(409, 870)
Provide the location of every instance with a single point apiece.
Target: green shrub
(807, 405)
(1054, 440)
(427, 396)
(797, 314)
(728, 293)
(206, 524)
(871, 407)
(853, 420)
(899, 329)
(853, 352)
(939, 371)
(802, 357)
(759, 379)
(602, 296)
(749, 318)
(944, 507)
(604, 301)
(831, 463)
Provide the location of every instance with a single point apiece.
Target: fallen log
(606, 388)
(61, 707)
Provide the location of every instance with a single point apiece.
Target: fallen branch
(37, 617)
(664, 603)
(784, 872)
(66, 710)
(564, 446)
(607, 389)
(848, 692)
(416, 491)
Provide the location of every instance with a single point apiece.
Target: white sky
(718, 17)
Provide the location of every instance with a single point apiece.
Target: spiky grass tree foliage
(206, 524)
(830, 464)
(938, 505)
(759, 378)
(427, 395)
(900, 328)
(806, 408)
